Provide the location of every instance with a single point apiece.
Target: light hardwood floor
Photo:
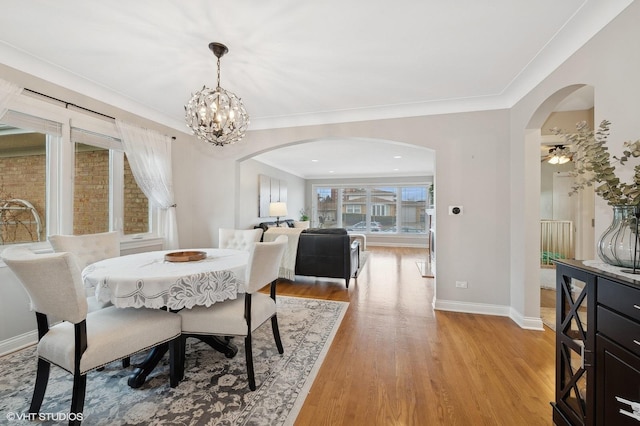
(394, 361)
(547, 298)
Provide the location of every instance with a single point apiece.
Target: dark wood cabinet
(618, 381)
(597, 347)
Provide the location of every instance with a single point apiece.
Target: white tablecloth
(147, 280)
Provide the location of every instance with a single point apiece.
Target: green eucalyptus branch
(593, 164)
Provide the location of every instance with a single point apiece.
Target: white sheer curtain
(149, 154)
(7, 92)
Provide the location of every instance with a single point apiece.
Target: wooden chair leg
(183, 353)
(249, 356)
(276, 333)
(176, 363)
(77, 398)
(42, 378)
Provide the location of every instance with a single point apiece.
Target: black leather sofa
(325, 252)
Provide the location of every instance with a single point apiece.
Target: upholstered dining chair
(242, 316)
(83, 341)
(87, 249)
(238, 239)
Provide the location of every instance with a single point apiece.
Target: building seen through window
(372, 209)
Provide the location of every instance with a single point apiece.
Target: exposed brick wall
(23, 178)
(136, 204)
(91, 196)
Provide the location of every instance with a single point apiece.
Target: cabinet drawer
(621, 298)
(619, 329)
(618, 377)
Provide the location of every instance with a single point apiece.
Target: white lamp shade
(278, 209)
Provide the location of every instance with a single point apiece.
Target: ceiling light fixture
(559, 155)
(217, 116)
(558, 159)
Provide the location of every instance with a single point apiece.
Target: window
(356, 199)
(91, 190)
(379, 210)
(22, 194)
(95, 168)
(36, 162)
(383, 209)
(352, 208)
(413, 207)
(136, 205)
(106, 196)
(24, 142)
(372, 209)
(326, 207)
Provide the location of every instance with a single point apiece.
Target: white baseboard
(384, 244)
(18, 342)
(527, 323)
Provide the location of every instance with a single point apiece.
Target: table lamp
(278, 210)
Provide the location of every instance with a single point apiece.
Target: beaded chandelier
(216, 115)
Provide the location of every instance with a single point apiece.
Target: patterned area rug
(214, 390)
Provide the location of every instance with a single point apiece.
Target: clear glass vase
(618, 245)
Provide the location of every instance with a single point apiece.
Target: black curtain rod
(67, 104)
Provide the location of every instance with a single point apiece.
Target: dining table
(171, 280)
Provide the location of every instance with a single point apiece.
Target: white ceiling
(354, 157)
(298, 63)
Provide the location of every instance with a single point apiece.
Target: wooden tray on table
(185, 256)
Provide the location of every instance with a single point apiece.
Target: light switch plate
(455, 210)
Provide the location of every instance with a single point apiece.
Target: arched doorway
(566, 222)
(359, 162)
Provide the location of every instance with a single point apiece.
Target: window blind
(30, 122)
(95, 139)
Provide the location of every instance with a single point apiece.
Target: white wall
(472, 170)
(17, 323)
(608, 62)
(248, 193)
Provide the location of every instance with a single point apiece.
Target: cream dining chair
(87, 249)
(84, 341)
(242, 316)
(238, 239)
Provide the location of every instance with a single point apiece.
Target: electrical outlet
(461, 284)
